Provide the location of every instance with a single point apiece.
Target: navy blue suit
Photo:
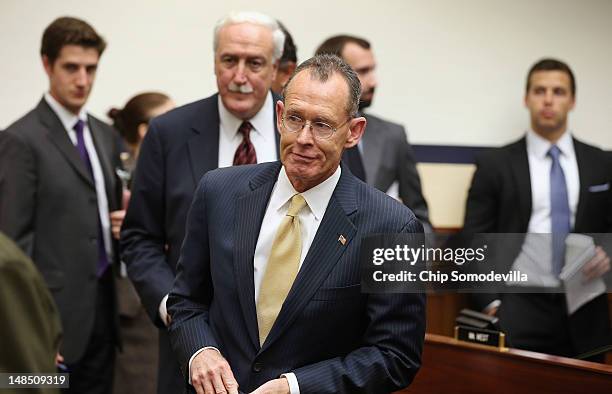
(180, 147)
(333, 337)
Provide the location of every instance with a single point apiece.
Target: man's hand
(597, 266)
(116, 218)
(211, 374)
(276, 386)
(59, 359)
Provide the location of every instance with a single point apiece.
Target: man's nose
(373, 81)
(240, 75)
(305, 135)
(81, 77)
(548, 97)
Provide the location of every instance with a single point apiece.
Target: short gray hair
(257, 18)
(324, 66)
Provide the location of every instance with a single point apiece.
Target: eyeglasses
(322, 130)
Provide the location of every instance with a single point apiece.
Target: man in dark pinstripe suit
(324, 336)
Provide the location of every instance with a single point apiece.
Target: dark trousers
(540, 323)
(93, 373)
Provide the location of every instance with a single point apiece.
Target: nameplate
(480, 336)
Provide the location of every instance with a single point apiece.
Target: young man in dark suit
(58, 197)
(267, 297)
(547, 182)
(384, 158)
(235, 126)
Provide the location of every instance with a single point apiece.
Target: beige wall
(451, 71)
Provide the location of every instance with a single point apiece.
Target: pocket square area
(599, 188)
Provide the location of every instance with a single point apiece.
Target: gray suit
(388, 157)
(48, 205)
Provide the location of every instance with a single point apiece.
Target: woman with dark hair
(132, 121)
(136, 366)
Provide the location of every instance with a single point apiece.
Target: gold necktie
(282, 268)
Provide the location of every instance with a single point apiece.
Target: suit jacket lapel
(322, 256)
(204, 144)
(59, 137)
(250, 210)
(584, 175)
(373, 152)
(522, 179)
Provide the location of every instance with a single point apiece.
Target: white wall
(452, 71)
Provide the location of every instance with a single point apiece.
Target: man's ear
(573, 103)
(290, 68)
(355, 131)
(47, 65)
(280, 108)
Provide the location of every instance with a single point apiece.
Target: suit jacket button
(257, 367)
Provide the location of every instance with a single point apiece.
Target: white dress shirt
(539, 173)
(262, 136)
(317, 199)
(535, 258)
(68, 120)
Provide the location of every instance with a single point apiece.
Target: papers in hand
(579, 249)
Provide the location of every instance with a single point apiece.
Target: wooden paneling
(450, 366)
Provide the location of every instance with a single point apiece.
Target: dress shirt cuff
(294, 387)
(163, 312)
(194, 356)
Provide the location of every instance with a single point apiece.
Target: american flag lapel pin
(341, 239)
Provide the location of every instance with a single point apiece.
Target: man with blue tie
(59, 196)
(548, 182)
(267, 297)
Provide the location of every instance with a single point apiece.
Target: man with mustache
(548, 182)
(232, 127)
(384, 158)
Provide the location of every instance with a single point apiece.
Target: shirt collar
(67, 118)
(262, 119)
(317, 197)
(539, 146)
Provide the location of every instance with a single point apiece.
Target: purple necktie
(559, 211)
(80, 145)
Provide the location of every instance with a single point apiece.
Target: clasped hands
(211, 374)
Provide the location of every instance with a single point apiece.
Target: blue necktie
(559, 211)
(80, 145)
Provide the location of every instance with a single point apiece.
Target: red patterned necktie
(245, 153)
